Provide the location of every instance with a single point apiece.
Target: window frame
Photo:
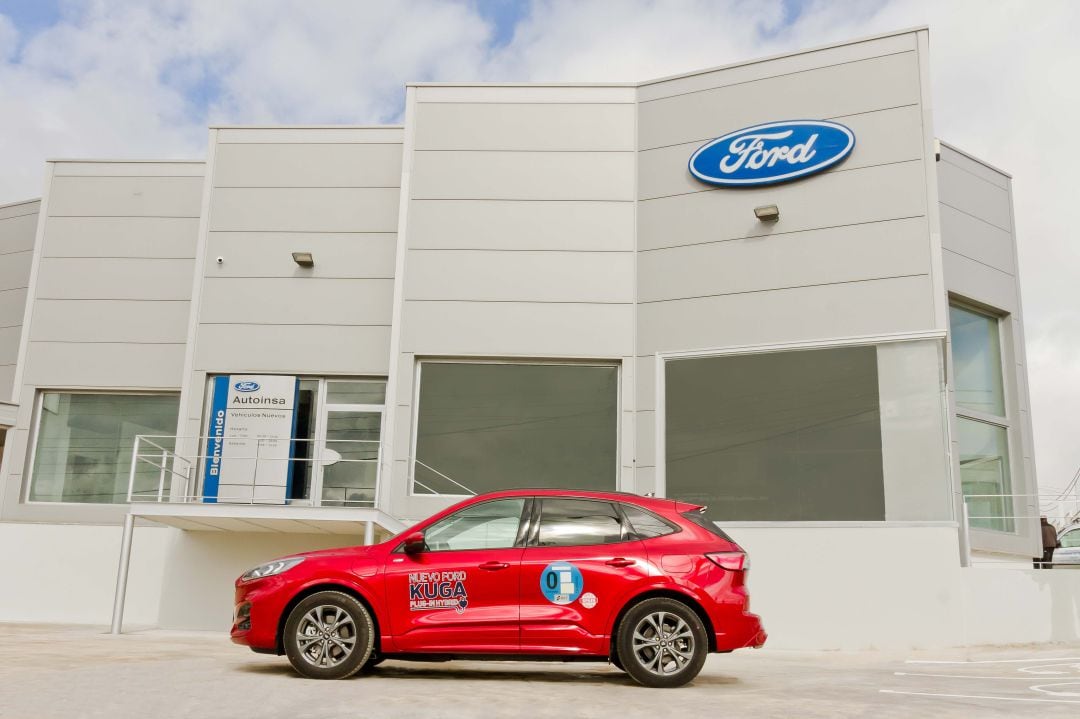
(524, 520)
(35, 433)
(414, 424)
(1003, 422)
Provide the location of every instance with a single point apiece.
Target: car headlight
(270, 569)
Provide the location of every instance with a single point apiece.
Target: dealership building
(320, 334)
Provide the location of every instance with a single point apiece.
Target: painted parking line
(979, 696)
(1026, 669)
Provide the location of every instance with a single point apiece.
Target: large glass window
(488, 426)
(578, 522)
(982, 422)
(84, 442)
(781, 436)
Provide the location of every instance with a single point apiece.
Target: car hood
(354, 552)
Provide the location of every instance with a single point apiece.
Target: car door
(461, 593)
(1068, 553)
(580, 565)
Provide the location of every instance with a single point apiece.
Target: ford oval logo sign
(773, 152)
(246, 386)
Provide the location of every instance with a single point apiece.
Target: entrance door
(348, 442)
(581, 563)
(461, 593)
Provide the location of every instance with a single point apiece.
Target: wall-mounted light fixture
(767, 213)
(304, 259)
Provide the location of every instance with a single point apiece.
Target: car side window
(645, 524)
(490, 525)
(578, 522)
(1070, 539)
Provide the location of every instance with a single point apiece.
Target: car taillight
(734, 561)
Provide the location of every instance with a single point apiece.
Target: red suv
(648, 584)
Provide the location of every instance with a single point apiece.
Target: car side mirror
(414, 543)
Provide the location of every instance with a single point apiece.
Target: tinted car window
(1071, 539)
(702, 521)
(491, 525)
(645, 524)
(577, 522)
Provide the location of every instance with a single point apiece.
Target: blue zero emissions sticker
(561, 582)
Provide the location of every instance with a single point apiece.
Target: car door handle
(619, 562)
(493, 566)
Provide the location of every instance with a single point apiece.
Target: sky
(128, 79)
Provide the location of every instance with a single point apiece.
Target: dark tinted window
(645, 524)
(702, 521)
(577, 522)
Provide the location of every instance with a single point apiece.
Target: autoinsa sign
(770, 153)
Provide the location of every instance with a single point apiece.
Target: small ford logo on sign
(773, 152)
(246, 386)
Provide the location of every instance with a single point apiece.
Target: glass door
(349, 442)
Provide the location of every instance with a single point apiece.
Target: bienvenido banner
(249, 439)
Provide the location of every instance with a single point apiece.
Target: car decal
(588, 600)
(438, 590)
(561, 582)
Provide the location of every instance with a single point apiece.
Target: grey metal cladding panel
(114, 279)
(308, 135)
(790, 315)
(104, 365)
(20, 209)
(981, 241)
(9, 345)
(7, 382)
(121, 168)
(121, 237)
(296, 300)
(975, 281)
(125, 196)
(15, 270)
(863, 86)
(17, 233)
(974, 167)
(12, 304)
(872, 194)
(509, 225)
(509, 126)
(110, 321)
(816, 257)
(269, 254)
(770, 67)
(307, 165)
(304, 209)
(520, 276)
(457, 175)
(974, 196)
(518, 329)
(893, 135)
(293, 348)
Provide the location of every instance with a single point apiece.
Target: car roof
(629, 497)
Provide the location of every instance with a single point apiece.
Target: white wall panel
(128, 321)
(305, 209)
(308, 165)
(977, 239)
(523, 175)
(104, 365)
(121, 237)
(293, 348)
(508, 225)
(125, 196)
(17, 232)
(269, 254)
(520, 276)
(301, 300)
(974, 196)
(12, 303)
(976, 281)
(538, 126)
(125, 278)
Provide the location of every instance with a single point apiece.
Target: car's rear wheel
(662, 643)
(329, 635)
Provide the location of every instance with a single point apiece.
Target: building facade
(320, 334)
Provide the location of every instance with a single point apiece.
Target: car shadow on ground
(446, 671)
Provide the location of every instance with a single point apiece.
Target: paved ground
(51, 671)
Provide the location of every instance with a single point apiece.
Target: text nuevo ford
(649, 584)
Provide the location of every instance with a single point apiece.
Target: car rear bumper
(746, 632)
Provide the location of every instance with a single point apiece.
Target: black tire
(662, 643)
(614, 659)
(329, 635)
(373, 661)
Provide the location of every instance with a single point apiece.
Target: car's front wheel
(329, 635)
(662, 643)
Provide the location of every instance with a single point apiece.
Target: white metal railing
(451, 480)
(1061, 512)
(159, 473)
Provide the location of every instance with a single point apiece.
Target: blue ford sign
(246, 386)
(773, 152)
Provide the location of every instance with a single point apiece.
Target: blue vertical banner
(215, 441)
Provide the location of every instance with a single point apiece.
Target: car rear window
(645, 524)
(705, 523)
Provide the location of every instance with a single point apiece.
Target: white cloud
(128, 79)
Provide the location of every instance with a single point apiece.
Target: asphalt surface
(54, 671)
